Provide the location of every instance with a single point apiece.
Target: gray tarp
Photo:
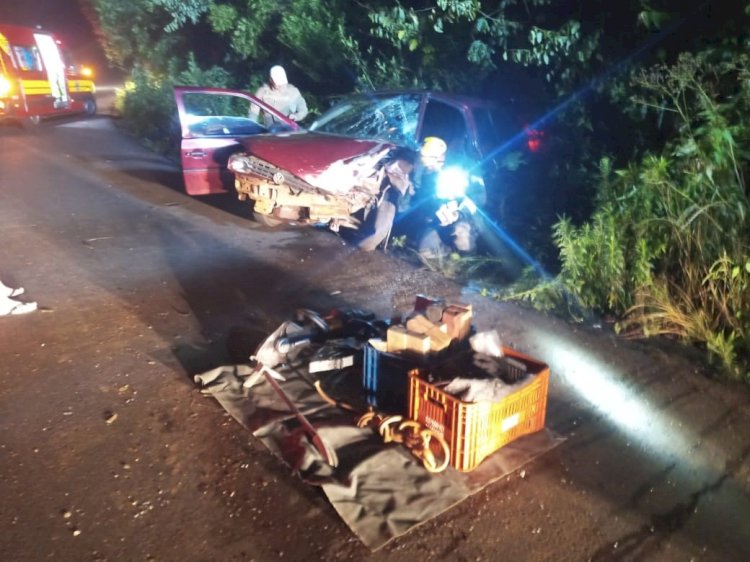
(380, 490)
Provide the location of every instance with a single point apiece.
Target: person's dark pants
(384, 217)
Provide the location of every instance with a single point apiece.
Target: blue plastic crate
(385, 379)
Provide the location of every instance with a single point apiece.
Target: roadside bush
(668, 248)
(148, 108)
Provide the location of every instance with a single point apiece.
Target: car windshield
(389, 118)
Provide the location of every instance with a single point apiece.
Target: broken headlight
(239, 164)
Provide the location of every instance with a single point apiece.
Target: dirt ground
(108, 451)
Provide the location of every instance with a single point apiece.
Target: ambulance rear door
(55, 69)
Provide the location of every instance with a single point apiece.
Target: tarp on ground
(380, 490)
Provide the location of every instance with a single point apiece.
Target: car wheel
(33, 120)
(266, 220)
(89, 106)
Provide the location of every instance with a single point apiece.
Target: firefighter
(440, 226)
(282, 96)
(396, 189)
(437, 225)
(404, 196)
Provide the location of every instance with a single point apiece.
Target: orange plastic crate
(474, 430)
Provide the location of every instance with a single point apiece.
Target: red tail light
(534, 139)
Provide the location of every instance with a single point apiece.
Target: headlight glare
(5, 86)
(452, 183)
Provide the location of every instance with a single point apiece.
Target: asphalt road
(109, 452)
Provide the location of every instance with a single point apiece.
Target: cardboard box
(396, 339)
(402, 340)
(458, 320)
(439, 338)
(422, 325)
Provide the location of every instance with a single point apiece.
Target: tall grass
(668, 248)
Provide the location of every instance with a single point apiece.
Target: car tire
(89, 105)
(266, 220)
(32, 121)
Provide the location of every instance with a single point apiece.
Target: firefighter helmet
(432, 152)
(433, 147)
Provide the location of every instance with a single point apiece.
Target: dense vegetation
(645, 106)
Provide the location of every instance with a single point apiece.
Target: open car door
(213, 121)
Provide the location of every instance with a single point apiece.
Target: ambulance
(38, 79)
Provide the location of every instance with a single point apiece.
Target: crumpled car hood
(329, 162)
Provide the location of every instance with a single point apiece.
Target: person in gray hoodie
(282, 96)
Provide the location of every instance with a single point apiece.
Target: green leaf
(413, 44)
(686, 148)
(653, 19)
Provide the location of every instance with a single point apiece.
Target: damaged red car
(326, 174)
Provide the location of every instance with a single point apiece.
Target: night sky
(64, 18)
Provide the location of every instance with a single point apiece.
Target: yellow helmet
(433, 147)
